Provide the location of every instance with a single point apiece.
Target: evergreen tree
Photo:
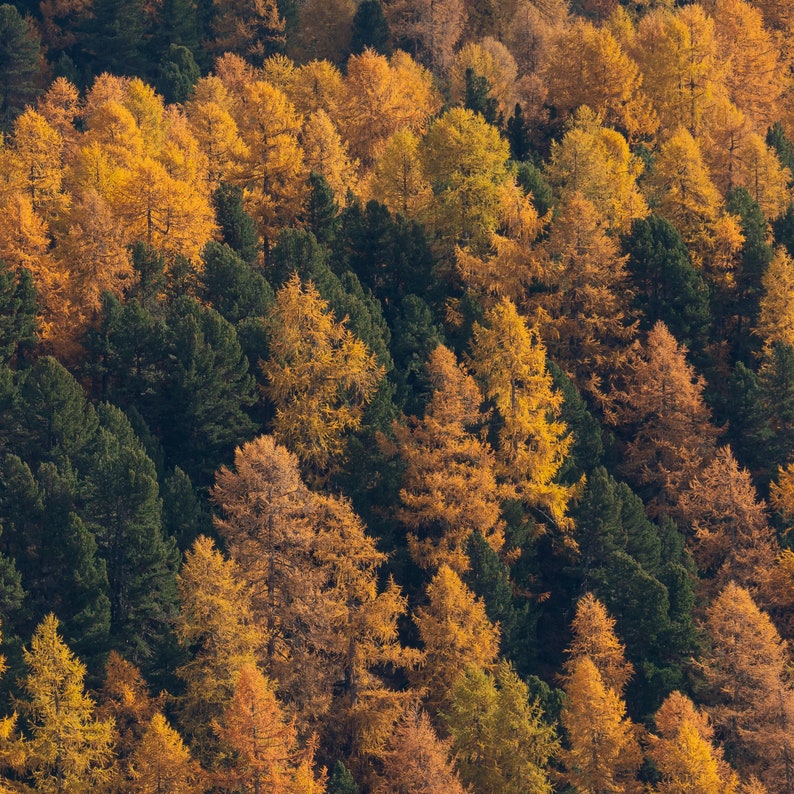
(185, 515)
(231, 286)
(478, 97)
(237, 227)
(668, 286)
(17, 314)
(206, 389)
(776, 379)
(341, 781)
(178, 73)
(518, 135)
(114, 38)
(322, 210)
(20, 65)
(756, 255)
(123, 509)
(370, 29)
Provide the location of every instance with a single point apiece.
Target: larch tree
(430, 29)
(514, 260)
(751, 697)
(161, 764)
(499, 736)
(326, 154)
(69, 750)
(594, 637)
(383, 96)
(732, 539)
(603, 77)
(251, 28)
(465, 161)
(417, 760)
(776, 323)
(684, 753)
(509, 359)
(319, 375)
(124, 698)
(596, 161)
(584, 315)
(600, 749)
(264, 744)
(455, 632)
(216, 623)
(754, 78)
(449, 486)
(313, 573)
(270, 166)
(662, 408)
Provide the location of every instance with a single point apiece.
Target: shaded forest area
(397, 396)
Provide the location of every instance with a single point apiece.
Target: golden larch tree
(216, 623)
(661, 406)
(746, 670)
(602, 76)
(161, 764)
(509, 359)
(684, 753)
(731, 536)
(416, 760)
(455, 632)
(319, 375)
(594, 636)
(449, 485)
(601, 752)
(69, 749)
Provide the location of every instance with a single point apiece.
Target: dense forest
(397, 396)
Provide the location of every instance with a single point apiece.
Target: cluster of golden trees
(298, 643)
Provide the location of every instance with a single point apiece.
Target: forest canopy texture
(396, 396)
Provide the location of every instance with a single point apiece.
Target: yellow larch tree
(732, 539)
(761, 173)
(148, 110)
(271, 167)
(417, 760)
(684, 753)
(449, 485)
(745, 668)
(266, 757)
(397, 179)
(776, 321)
(514, 260)
(754, 73)
(25, 243)
(601, 752)
(381, 97)
(61, 107)
(216, 622)
(161, 764)
(509, 359)
(37, 151)
(584, 314)
(594, 636)
(465, 161)
(661, 407)
(596, 161)
(682, 191)
(489, 59)
(677, 52)
(319, 375)
(95, 253)
(317, 85)
(210, 117)
(251, 28)
(602, 76)
(325, 153)
(313, 574)
(125, 700)
(68, 748)
(455, 632)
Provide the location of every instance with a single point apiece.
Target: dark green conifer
(370, 29)
(20, 65)
(237, 227)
